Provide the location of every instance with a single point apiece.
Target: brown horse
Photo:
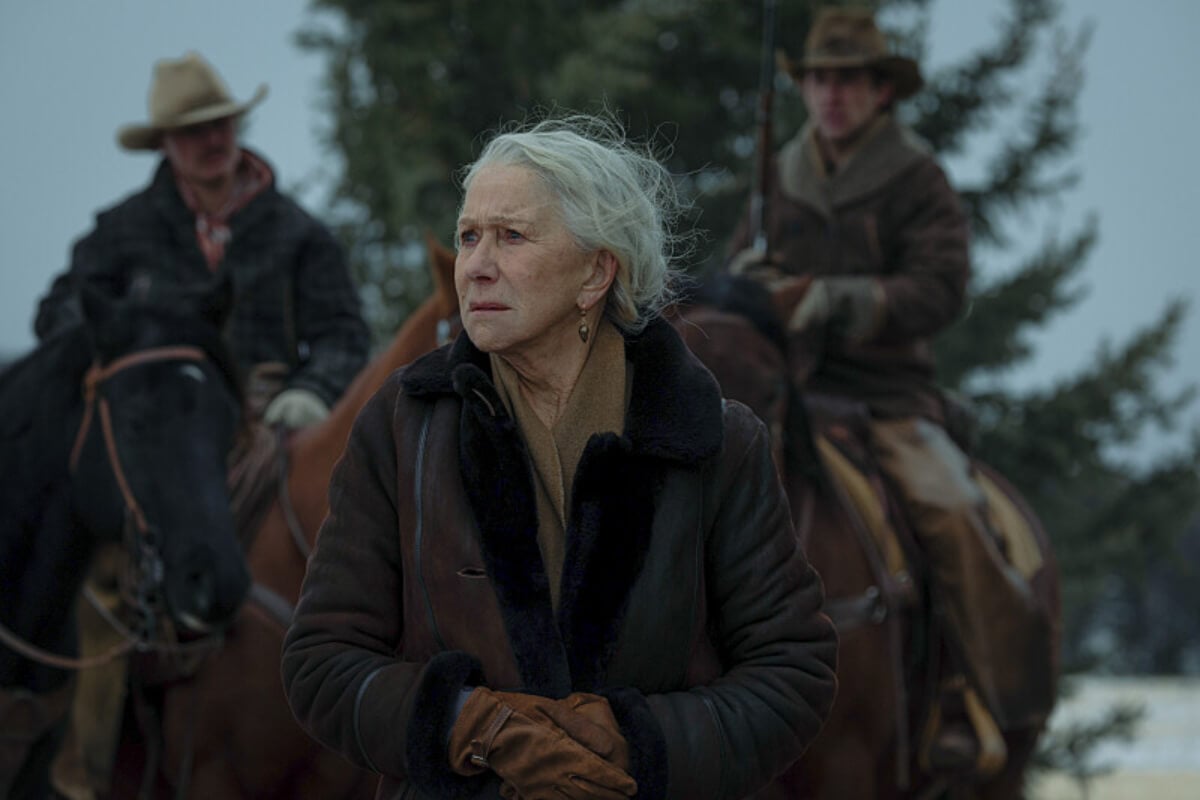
(229, 727)
(888, 652)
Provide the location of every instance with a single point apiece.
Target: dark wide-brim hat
(846, 38)
(185, 91)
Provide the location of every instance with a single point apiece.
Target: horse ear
(441, 267)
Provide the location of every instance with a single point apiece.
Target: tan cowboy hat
(185, 91)
(844, 38)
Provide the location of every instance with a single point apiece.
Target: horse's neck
(44, 570)
(44, 412)
(315, 450)
(413, 340)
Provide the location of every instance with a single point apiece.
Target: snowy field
(1162, 762)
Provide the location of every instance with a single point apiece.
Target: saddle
(840, 438)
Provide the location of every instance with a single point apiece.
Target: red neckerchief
(251, 177)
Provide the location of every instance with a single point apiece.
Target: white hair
(612, 196)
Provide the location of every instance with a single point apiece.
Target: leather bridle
(143, 580)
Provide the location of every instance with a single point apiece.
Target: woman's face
(520, 276)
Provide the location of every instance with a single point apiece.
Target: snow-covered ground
(1162, 762)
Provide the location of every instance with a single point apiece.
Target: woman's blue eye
(467, 237)
(511, 234)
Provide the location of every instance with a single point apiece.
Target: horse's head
(735, 334)
(444, 300)
(162, 407)
(736, 327)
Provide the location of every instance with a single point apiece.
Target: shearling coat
(685, 599)
(293, 298)
(889, 212)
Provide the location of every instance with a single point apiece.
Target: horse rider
(213, 211)
(858, 207)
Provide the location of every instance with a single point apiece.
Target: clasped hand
(543, 749)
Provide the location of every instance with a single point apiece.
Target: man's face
(205, 153)
(843, 102)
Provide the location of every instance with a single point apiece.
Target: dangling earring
(584, 330)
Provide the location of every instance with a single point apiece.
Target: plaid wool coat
(294, 301)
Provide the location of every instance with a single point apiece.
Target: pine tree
(414, 83)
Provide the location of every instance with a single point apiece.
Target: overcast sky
(73, 71)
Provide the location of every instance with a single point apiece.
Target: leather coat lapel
(674, 421)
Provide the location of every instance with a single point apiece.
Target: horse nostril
(199, 598)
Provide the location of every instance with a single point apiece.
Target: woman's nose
(479, 262)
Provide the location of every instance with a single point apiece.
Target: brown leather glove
(851, 306)
(597, 709)
(544, 749)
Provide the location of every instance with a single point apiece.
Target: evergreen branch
(994, 333)
(1070, 747)
(964, 97)
(1075, 422)
(1016, 172)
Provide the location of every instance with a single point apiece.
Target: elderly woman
(557, 564)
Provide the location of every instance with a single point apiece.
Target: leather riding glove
(596, 709)
(296, 408)
(543, 749)
(749, 261)
(850, 308)
(599, 712)
(786, 289)
(758, 266)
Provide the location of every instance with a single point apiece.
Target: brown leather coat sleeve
(925, 284)
(729, 737)
(341, 645)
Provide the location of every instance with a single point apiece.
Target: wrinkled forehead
(504, 194)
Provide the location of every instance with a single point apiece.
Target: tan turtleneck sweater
(596, 405)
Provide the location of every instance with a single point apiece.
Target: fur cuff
(647, 745)
(429, 726)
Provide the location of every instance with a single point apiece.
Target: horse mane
(746, 298)
(40, 387)
(751, 300)
(34, 386)
(37, 393)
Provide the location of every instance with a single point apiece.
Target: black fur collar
(675, 403)
(674, 420)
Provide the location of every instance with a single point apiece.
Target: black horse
(115, 430)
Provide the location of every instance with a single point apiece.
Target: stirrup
(961, 737)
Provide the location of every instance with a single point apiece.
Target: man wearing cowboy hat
(211, 213)
(862, 215)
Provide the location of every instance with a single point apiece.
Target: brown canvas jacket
(685, 598)
(891, 213)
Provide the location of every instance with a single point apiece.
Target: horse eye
(194, 372)
(138, 423)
